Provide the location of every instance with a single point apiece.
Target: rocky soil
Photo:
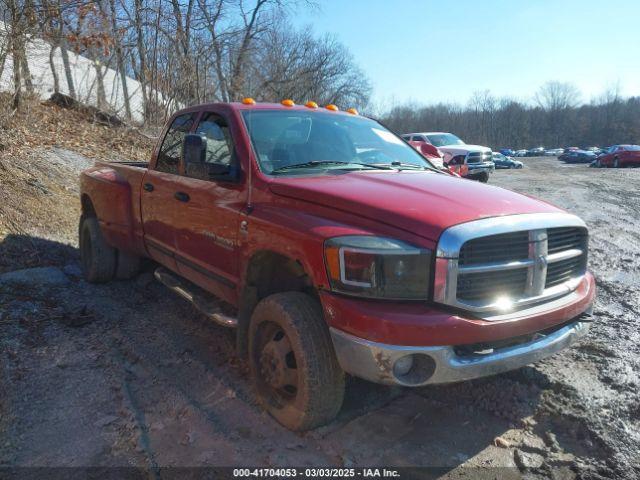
(126, 374)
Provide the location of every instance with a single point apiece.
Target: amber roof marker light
(288, 102)
(353, 111)
(332, 107)
(311, 104)
(248, 101)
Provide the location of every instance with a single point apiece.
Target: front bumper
(442, 364)
(476, 168)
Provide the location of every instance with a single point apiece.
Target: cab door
(207, 230)
(158, 203)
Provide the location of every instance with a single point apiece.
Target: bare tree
(555, 96)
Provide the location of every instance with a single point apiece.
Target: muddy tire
(98, 259)
(294, 368)
(127, 265)
(484, 177)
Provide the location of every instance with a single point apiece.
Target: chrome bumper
(440, 364)
(480, 167)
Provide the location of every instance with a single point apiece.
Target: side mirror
(194, 149)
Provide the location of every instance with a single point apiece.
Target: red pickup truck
(336, 248)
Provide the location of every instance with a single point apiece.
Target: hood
(422, 203)
(465, 148)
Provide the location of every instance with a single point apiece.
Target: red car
(436, 157)
(620, 156)
(336, 249)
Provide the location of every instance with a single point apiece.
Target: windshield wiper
(316, 163)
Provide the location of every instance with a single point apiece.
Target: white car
(554, 152)
(476, 157)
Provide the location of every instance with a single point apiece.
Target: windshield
(317, 140)
(442, 139)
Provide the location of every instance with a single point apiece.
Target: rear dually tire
(98, 258)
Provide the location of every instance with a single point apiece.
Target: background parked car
(520, 153)
(535, 152)
(578, 156)
(596, 150)
(618, 156)
(504, 161)
(507, 152)
(554, 152)
(456, 152)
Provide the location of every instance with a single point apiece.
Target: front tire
(483, 177)
(616, 163)
(293, 365)
(97, 257)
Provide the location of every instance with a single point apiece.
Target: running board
(203, 301)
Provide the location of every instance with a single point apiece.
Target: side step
(200, 299)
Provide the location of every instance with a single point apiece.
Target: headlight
(378, 267)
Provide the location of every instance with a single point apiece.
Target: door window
(219, 145)
(171, 149)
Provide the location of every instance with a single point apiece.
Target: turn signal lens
(332, 107)
(288, 102)
(248, 101)
(353, 111)
(311, 104)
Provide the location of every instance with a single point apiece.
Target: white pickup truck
(456, 152)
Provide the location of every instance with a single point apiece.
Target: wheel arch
(268, 272)
(88, 210)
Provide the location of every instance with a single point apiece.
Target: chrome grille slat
(492, 249)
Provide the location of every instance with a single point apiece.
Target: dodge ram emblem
(542, 261)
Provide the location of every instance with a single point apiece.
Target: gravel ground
(125, 374)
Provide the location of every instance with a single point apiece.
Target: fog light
(403, 366)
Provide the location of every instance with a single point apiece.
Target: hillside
(42, 151)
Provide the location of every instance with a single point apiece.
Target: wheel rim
(276, 365)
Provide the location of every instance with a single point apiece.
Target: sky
(431, 51)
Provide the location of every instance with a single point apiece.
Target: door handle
(148, 187)
(181, 196)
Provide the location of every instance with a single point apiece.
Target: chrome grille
(478, 157)
(521, 260)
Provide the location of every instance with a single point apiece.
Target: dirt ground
(126, 374)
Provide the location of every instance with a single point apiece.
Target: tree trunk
(54, 72)
(17, 79)
(142, 54)
(3, 57)
(100, 93)
(67, 69)
(120, 60)
(24, 65)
